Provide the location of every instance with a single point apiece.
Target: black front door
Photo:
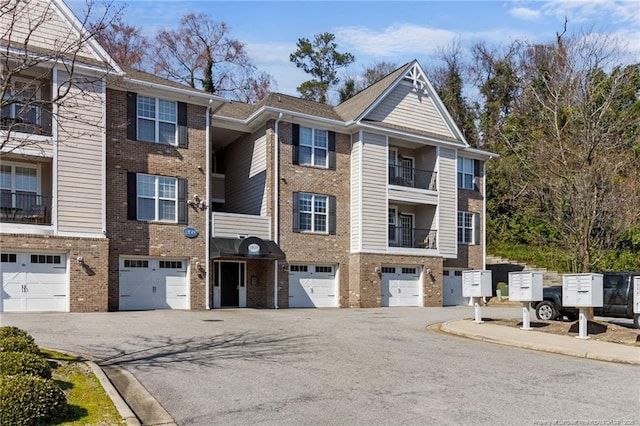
(230, 277)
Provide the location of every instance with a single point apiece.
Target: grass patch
(88, 403)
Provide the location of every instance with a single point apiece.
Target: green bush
(12, 363)
(30, 400)
(18, 344)
(11, 331)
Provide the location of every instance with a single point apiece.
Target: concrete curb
(631, 357)
(122, 407)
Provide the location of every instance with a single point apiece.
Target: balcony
(412, 178)
(25, 208)
(405, 237)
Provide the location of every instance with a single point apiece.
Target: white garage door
(452, 289)
(153, 284)
(34, 282)
(401, 286)
(313, 286)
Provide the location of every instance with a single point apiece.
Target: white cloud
(398, 39)
(525, 13)
(618, 12)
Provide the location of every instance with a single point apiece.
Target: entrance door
(233, 290)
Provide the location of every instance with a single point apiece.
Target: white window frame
(314, 147)
(313, 213)
(14, 108)
(13, 188)
(157, 198)
(465, 177)
(462, 228)
(156, 120)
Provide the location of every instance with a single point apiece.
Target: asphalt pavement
(336, 366)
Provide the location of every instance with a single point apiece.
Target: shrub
(12, 363)
(18, 344)
(30, 400)
(11, 331)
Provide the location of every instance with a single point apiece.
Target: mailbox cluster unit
(476, 283)
(636, 295)
(582, 290)
(525, 286)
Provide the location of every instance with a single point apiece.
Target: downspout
(207, 211)
(484, 214)
(276, 189)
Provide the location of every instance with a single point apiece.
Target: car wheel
(546, 311)
(636, 320)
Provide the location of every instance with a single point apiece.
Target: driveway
(339, 366)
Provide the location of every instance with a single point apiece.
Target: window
(170, 264)
(468, 228)
(132, 263)
(412, 271)
(388, 270)
(314, 213)
(156, 198)
(18, 186)
(314, 147)
(156, 120)
(465, 173)
(42, 258)
(22, 101)
(8, 258)
(324, 269)
(298, 268)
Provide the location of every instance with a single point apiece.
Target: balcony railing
(400, 236)
(25, 207)
(412, 178)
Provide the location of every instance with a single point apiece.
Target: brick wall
(308, 247)
(134, 238)
(88, 291)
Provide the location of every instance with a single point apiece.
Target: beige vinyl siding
(229, 225)
(404, 107)
(80, 156)
(374, 192)
(400, 194)
(246, 167)
(356, 192)
(40, 22)
(447, 209)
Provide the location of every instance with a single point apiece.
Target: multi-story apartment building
(378, 201)
(135, 192)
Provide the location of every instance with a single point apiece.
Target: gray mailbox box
(582, 290)
(525, 286)
(476, 283)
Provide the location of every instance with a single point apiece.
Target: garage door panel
(34, 282)
(153, 284)
(452, 289)
(401, 286)
(313, 286)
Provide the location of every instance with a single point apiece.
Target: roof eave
(206, 98)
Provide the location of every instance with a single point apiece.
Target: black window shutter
(332, 150)
(296, 212)
(295, 142)
(183, 134)
(132, 196)
(332, 215)
(477, 174)
(182, 200)
(132, 116)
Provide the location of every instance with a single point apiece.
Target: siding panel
(374, 192)
(248, 157)
(80, 156)
(228, 225)
(356, 192)
(447, 209)
(404, 107)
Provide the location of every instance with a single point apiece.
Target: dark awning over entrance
(246, 248)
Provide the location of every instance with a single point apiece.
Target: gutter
(184, 92)
(207, 212)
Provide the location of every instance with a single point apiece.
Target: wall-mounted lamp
(80, 260)
(285, 267)
(199, 267)
(197, 203)
(378, 270)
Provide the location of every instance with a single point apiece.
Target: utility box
(636, 295)
(476, 283)
(582, 290)
(525, 286)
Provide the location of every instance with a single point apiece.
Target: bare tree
(34, 44)
(370, 75)
(201, 54)
(123, 42)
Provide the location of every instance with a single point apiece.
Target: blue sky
(393, 31)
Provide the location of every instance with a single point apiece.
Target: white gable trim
(68, 16)
(420, 81)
